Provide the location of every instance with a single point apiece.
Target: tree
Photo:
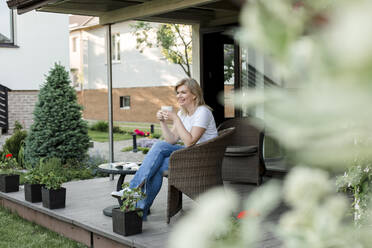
(174, 39)
(228, 67)
(58, 129)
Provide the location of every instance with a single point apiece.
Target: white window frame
(115, 48)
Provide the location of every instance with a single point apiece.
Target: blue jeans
(151, 173)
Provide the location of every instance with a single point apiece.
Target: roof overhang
(204, 12)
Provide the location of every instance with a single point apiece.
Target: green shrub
(21, 157)
(17, 126)
(14, 143)
(117, 129)
(58, 129)
(101, 126)
(33, 176)
(156, 135)
(51, 180)
(92, 162)
(144, 150)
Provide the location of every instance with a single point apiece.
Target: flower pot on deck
(126, 223)
(53, 198)
(9, 183)
(33, 192)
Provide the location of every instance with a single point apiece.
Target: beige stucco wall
(144, 103)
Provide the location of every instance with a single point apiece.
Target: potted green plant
(127, 220)
(9, 180)
(32, 180)
(52, 193)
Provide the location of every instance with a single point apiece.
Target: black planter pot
(126, 223)
(53, 198)
(33, 192)
(9, 183)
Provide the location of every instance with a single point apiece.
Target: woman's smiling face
(184, 97)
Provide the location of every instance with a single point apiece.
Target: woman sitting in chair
(193, 124)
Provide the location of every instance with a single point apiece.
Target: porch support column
(109, 92)
(196, 52)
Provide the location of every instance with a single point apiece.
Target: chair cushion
(241, 151)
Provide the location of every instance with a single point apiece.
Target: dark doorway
(219, 73)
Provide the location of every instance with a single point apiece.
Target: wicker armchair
(194, 170)
(243, 161)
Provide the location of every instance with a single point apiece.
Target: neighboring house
(27, 52)
(142, 82)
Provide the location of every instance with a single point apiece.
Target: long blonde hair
(195, 89)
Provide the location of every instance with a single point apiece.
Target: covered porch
(82, 219)
(212, 21)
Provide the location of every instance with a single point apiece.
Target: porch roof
(204, 12)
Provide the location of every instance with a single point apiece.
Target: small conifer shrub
(58, 129)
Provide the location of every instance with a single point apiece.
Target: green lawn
(17, 232)
(104, 136)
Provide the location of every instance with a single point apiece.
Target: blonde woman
(193, 124)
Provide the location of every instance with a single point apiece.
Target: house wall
(135, 69)
(144, 103)
(148, 78)
(229, 101)
(43, 40)
(21, 106)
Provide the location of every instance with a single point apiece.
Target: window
(7, 25)
(115, 46)
(125, 102)
(75, 77)
(229, 77)
(74, 44)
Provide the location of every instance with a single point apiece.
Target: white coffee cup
(167, 108)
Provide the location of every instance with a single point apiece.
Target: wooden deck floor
(86, 200)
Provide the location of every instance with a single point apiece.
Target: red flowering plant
(142, 133)
(7, 163)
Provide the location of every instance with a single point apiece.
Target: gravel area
(102, 149)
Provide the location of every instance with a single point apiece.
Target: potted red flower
(9, 179)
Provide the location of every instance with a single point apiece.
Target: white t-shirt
(202, 117)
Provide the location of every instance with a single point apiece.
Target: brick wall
(144, 103)
(229, 101)
(20, 107)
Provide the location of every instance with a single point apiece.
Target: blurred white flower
(348, 37)
(212, 216)
(305, 187)
(270, 25)
(258, 205)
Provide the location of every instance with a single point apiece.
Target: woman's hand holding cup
(159, 115)
(165, 112)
